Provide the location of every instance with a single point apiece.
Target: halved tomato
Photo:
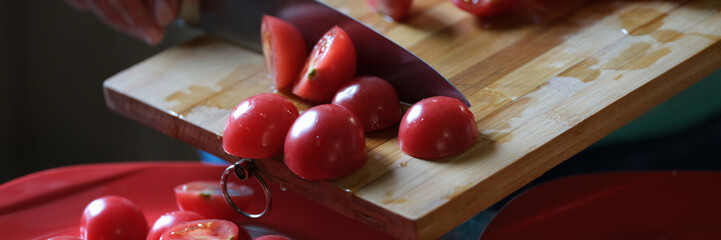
(206, 198)
(284, 51)
(485, 8)
(331, 63)
(437, 127)
(395, 9)
(373, 100)
(170, 219)
(257, 126)
(207, 229)
(326, 142)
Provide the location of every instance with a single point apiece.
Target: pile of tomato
(327, 141)
(202, 214)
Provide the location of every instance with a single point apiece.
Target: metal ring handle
(243, 169)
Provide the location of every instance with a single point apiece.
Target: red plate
(50, 203)
(623, 205)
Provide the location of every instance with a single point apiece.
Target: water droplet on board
(641, 21)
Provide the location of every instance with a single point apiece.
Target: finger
(165, 11)
(79, 5)
(109, 15)
(141, 19)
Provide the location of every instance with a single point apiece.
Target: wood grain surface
(545, 81)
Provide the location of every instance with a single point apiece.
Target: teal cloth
(692, 106)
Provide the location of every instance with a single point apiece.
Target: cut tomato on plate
(331, 63)
(395, 9)
(284, 51)
(206, 198)
(485, 8)
(170, 219)
(208, 229)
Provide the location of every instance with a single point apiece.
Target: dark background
(53, 61)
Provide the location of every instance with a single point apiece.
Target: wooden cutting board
(545, 81)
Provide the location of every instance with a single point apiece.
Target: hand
(144, 19)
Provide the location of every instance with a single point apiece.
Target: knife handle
(189, 13)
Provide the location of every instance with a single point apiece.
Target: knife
(239, 21)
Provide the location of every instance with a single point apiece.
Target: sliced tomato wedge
(284, 51)
(207, 229)
(485, 8)
(395, 9)
(331, 63)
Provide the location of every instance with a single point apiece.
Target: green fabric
(688, 108)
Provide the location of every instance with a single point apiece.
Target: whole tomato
(206, 198)
(258, 125)
(284, 50)
(170, 219)
(331, 63)
(372, 100)
(437, 127)
(325, 142)
(485, 8)
(111, 218)
(205, 229)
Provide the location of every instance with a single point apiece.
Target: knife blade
(239, 21)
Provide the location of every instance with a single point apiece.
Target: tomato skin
(395, 9)
(170, 219)
(206, 229)
(272, 237)
(284, 50)
(258, 125)
(331, 63)
(326, 142)
(372, 100)
(485, 8)
(113, 217)
(206, 198)
(437, 127)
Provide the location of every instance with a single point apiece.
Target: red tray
(620, 205)
(50, 203)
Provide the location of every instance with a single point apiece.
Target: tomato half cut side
(257, 127)
(395, 9)
(326, 142)
(113, 218)
(331, 63)
(207, 229)
(373, 100)
(284, 50)
(206, 198)
(485, 8)
(170, 219)
(437, 127)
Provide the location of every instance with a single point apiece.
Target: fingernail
(152, 36)
(163, 15)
